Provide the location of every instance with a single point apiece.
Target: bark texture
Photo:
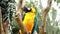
(18, 18)
(45, 12)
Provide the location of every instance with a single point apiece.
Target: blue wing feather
(22, 16)
(35, 25)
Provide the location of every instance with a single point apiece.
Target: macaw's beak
(26, 9)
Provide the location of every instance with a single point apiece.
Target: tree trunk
(5, 26)
(18, 18)
(1, 25)
(0, 20)
(45, 12)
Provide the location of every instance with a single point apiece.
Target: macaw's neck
(30, 12)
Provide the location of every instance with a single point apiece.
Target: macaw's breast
(29, 21)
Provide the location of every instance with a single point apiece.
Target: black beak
(26, 9)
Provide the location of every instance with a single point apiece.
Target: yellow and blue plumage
(30, 21)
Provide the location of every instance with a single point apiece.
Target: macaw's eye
(28, 8)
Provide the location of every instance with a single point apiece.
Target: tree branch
(5, 26)
(0, 20)
(45, 12)
(18, 18)
(1, 26)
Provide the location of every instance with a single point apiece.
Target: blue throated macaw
(29, 19)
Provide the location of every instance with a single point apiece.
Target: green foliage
(15, 30)
(58, 1)
(54, 13)
(4, 9)
(11, 9)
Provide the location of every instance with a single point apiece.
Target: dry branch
(5, 26)
(18, 19)
(1, 26)
(45, 12)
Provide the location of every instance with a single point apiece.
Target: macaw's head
(28, 9)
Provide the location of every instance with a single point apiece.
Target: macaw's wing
(35, 25)
(22, 16)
